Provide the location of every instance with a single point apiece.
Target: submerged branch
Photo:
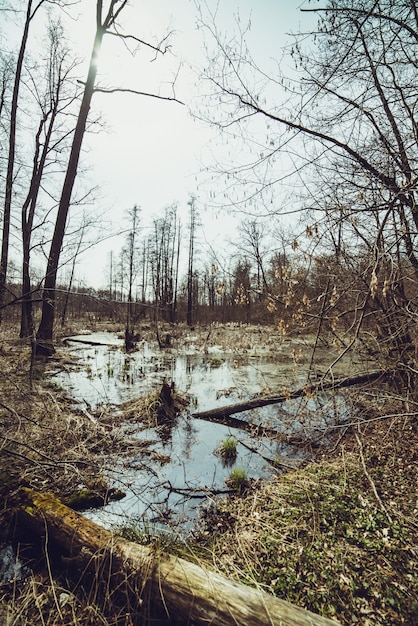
(223, 412)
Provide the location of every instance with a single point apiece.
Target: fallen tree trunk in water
(219, 413)
(187, 592)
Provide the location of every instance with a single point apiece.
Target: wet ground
(167, 489)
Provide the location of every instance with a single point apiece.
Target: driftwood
(187, 592)
(220, 413)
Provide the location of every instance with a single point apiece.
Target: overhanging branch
(137, 93)
(388, 181)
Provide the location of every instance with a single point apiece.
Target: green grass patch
(227, 450)
(319, 538)
(238, 479)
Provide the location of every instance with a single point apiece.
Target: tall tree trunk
(176, 275)
(11, 158)
(111, 276)
(44, 339)
(28, 215)
(129, 332)
(191, 259)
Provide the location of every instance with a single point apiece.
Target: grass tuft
(238, 479)
(227, 450)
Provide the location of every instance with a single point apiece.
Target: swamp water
(169, 493)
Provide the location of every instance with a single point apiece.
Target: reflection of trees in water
(189, 436)
(312, 415)
(190, 363)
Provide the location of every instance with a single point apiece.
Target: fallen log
(187, 592)
(220, 413)
(90, 342)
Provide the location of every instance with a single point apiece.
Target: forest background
(338, 152)
(331, 143)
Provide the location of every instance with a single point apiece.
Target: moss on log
(181, 588)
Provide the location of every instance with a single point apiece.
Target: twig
(370, 479)
(49, 462)
(273, 462)
(51, 579)
(195, 492)
(21, 416)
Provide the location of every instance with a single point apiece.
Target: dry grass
(46, 441)
(149, 410)
(54, 601)
(338, 537)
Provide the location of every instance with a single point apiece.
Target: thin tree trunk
(70, 282)
(176, 276)
(44, 337)
(190, 264)
(27, 328)
(4, 257)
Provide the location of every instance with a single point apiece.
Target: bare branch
(368, 14)
(138, 93)
(158, 49)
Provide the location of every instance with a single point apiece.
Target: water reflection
(169, 492)
(11, 567)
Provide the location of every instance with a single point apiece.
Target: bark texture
(187, 592)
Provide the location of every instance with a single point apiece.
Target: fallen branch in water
(197, 492)
(220, 413)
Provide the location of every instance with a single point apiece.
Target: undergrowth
(338, 537)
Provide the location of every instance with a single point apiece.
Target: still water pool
(168, 489)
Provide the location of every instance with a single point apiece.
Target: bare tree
(106, 23)
(51, 104)
(252, 245)
(190, 276)
(31, 10)
(6, 78)
(349, 130)
(170, 253)
(163, 250)
(45, 330)
(131, 254)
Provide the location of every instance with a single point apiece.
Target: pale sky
(152, 151)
